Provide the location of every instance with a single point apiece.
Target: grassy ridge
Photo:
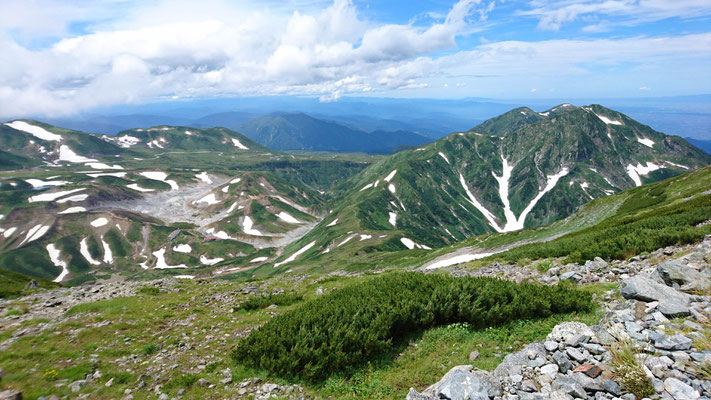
(345, 328)
(12, 284)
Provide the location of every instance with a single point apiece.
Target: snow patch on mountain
(52, 196)
(108, 255)
(135, 187)
(286, 217)
(239, 144)
(247, 224)
(393, 219)
(160, 176)
(183, 248)
(608, 121)
(634, 171)
(295, 255)
(463, 258)
(36, 131)
(647, 142)
(84, 251)
(54, 256)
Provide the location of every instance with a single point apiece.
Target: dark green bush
(340, 330)
(282, 299)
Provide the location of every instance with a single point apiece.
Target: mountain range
(175, 199)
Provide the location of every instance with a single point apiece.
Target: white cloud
(552, 14)
(172, 50)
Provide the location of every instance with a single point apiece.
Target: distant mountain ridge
(704, 145)
(303, 132)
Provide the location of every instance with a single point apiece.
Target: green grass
(13, 284)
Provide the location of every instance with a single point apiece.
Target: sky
(65, 57)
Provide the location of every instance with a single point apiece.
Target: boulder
(673, 343)
(680, 390)
(460, 384)
(595, 265)
(414, 395)
(567, 331)
(673, 272)
(562, 361)
(569, 386)
(671, 301)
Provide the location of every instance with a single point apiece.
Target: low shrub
(282, 299)
(339, 330)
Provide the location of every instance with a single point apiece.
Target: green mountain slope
(472, 183)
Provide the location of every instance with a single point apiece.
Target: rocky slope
(655, 315)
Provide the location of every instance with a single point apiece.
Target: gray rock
(489, 381)
(588, 383)
(562, 361)
(529, 386)
(671, 301)
(569, 386)
(550, 370)
(550, 345)
(77, 385)
(576, 354)
(595, 265)
(473, 355)
(568, 330)
(612, 387)
(512, 363)
(680, 390)
(461, 385)
(414, 395)
(673, 343)
(11, 394)
(571, 276)
(673, 272)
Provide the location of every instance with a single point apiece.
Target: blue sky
(66, 57)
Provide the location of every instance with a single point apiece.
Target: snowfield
(390, 175)
(333, 223)
(247, 227)
(137, 188)
(84, 251)
(203, 176)
(239, 144)
(209, 199)
(210, 261)
(183, 248)
(298, 253)
(647, 142)
(99, 222)
(160, 176)
(108, 255)
(392, 219)
(36, 183)
(160, 261)
(286, 217)
(76, 197)
(608, 121)
(67, 154)
(458, 260)
(54, 256)
(36, 131)
(635, 171)
(52, 196)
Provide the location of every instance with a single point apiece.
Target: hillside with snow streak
(523, 169)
